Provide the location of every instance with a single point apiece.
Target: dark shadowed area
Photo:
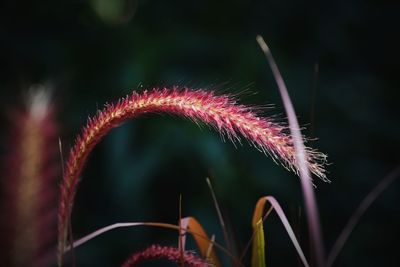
(339, 59)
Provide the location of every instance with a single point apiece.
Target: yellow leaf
(258, 244)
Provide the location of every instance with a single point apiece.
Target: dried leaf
(200, 236)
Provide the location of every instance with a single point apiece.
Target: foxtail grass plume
(156, 252)
(29, 210)
(219, 111)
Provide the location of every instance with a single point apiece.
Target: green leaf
(258, 255)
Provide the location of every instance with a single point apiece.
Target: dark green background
(90, 52)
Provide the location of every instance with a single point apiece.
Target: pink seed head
(28, 215)
(220, 111)
(156, 252)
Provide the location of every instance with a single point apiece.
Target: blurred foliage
(90, 52)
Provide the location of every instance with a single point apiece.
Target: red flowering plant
(31, 162)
